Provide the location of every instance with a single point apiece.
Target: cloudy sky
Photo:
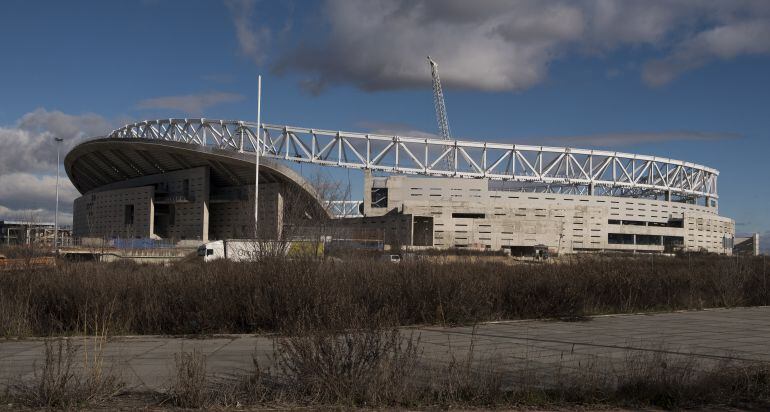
(677, 78)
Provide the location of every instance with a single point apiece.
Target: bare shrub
(736, 383)
(189, 388)
(467, 380)
(671, 380)
(61, 383)
(381, 367)
(15, 307)
(656, 378)
(283, 295)
(260, 386)
(363, 367)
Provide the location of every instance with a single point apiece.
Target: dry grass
(226, 297)
(369, 367)
(188, 389)
(380, 368)
(682, 381)
(340, 346)
(62, 382)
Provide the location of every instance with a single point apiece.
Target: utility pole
(257, 148)
(56, 215)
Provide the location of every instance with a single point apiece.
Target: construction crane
(441, 116)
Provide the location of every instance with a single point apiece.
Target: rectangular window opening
(468, 215)
(128, 215)
(379, 197)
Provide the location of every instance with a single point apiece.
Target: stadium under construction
(193, 180)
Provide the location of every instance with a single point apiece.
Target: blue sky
(683, 79)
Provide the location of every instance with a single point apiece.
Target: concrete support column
(756, 244)
(151, 218)
(280, 209)
(367, 192)
(205, 207)
(205, 222)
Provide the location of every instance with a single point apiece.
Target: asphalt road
(540, 347)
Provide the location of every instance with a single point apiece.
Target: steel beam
(557, 166)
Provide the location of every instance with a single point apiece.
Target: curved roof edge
(99, 162)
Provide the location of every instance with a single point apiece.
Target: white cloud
(23, 195)
(25, 190)
(253, 42)
(28, 161)
(35, 215)
(28, 146)
(724, 42)
(502, 45)
(193, 104)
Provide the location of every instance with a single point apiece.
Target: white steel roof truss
(414, 158)
(567, 166)
(470, 160)
(527, 165)
(440, 157)
(499, 160)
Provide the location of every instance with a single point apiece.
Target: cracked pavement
(146, 363)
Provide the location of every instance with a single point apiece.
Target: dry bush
(282, 295)
(656, 378)
(189, 388)
(381, 368)
(467, 380)
(60, 382)
(669, 380)
(256, 388)
(192, 387)
(15, 307)
(369, 367)
(737, 383)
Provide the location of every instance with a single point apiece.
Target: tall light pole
(256, 153)
(56, 215)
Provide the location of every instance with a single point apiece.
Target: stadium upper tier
(557, 168)
(104, 163)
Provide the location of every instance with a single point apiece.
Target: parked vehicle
(246, 250)
(392, 258)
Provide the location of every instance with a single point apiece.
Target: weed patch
(281, 296)
(62, 382)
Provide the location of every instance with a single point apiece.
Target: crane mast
(441, 116)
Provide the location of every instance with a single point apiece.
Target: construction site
(384, 204)
(191, 181)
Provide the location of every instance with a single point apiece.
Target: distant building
(19, 232)
(747, 246)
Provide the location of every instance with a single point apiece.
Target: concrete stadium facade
(193, 179)
(476, 213)
(176, 191)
